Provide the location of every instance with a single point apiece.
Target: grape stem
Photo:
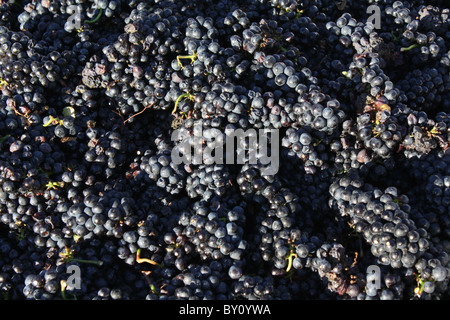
(54, 185)
(67, 256)
(193, 57)
(415, 45)
(52, 120)
(3, 83)
(184, 95)
(63, 291)
(3, 139)
(94, 262)
(142, 260)
(96, 18)
(134, 115)
(291, 256)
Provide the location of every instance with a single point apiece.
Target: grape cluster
(113, 119)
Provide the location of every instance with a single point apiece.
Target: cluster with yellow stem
(291, 256)
(186, 95)
(81, 29)
(52, 121)
(179, 117)
(192, 57)
(54, 185)
(139, 259)
(419, 290)
(298, 12)
(3, 83)
(433, 132)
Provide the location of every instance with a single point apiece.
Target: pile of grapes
(94, 205)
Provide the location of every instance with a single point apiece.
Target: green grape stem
(184, 95)
(94, 262)
(409, 48)
(96, 18)
(3, 139)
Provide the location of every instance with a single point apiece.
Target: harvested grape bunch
(224, 150)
